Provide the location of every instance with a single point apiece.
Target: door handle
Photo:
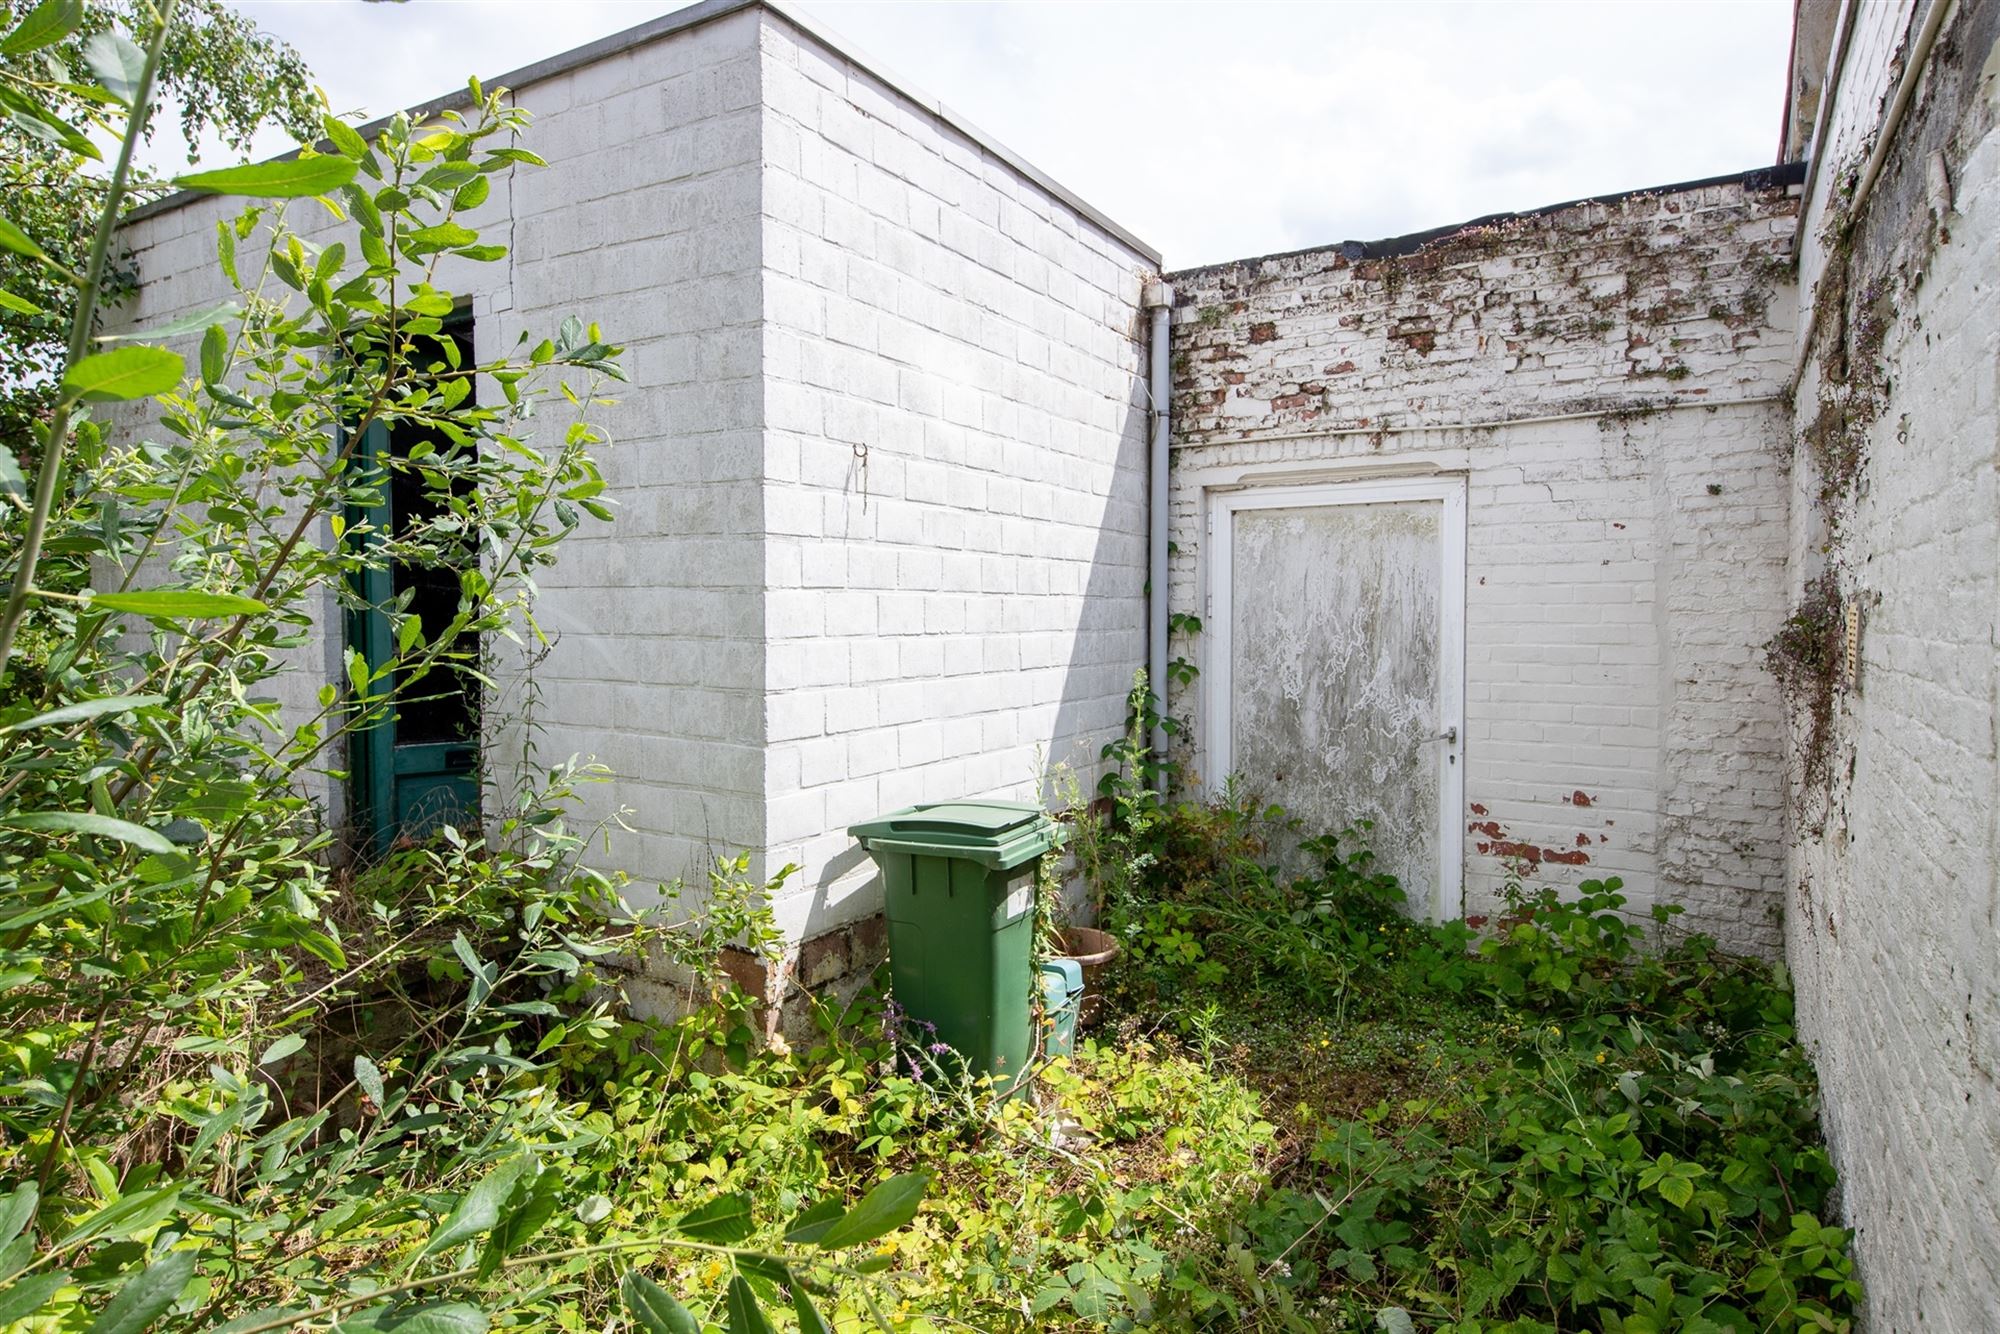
(1449, 736)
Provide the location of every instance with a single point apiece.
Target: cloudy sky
(1225, 129)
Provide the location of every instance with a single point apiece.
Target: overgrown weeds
(1557, 1124)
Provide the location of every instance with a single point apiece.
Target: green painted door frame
(418, 768)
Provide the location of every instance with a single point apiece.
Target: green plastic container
(1062, 996)
(960, 900)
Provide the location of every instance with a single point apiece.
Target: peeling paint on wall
(1609, 380)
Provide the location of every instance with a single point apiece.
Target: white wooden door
(1337, 681)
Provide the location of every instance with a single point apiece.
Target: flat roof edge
(1782, 176)
(694, 16)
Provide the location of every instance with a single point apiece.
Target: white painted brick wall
(770, 643)
(963, 608)
(646, 221)
(1616, 608)
(1893, 925)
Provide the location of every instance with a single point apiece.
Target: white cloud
(1222, 130)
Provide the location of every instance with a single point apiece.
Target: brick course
(1605, 377)
(1893, 922)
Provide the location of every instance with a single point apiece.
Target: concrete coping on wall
(1781, 177)
(708, 11)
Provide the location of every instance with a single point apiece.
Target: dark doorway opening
(416, 769)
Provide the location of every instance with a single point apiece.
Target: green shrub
(1556, 1124)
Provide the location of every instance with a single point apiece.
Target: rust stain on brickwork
(1648, 292)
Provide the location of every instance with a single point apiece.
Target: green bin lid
(993, 833)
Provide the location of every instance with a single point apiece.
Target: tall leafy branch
(247, 1082)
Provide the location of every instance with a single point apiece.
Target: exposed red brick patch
(1513, 851)
(871, 941)
(749, 972)
(1264, 331)
(823, 958)
(1477, 809)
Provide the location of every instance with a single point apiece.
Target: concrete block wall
(878, 471)
(646, 221)
(955, 470)
(1606, 377)
(1893, 924)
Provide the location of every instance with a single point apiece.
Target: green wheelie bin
(959, 878)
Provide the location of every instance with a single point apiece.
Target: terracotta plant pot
(1092, 949)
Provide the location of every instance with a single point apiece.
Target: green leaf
(90, 708)
(293, 178)
(12, 483)
(1676, 1190)
(18, 1210)
(14, 1256)
(147, 1295)
(200, 319)
(280, 1049)
(29, 1296)
(370, 1079)
(344, 137)
(768, 1268)
(443, 236)
(263, 1315)
(884, 1209)
(653, 1308)
(213, 1129)
(225, 252)
(122, 1218)
(8, 301)
(214, 354)
(521, 1224)
(745, 1316)
(178, 604)
(117, 62)
(421, 1318)
(426, 300)
(14, 239)
(812, 1224)
(123, 373)
(810, 1320)
(86, 822)
(480, 1208)
(723, 1220)
(45, 25)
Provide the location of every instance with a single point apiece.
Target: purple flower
(940, 1048)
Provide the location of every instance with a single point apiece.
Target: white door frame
(1447, 900)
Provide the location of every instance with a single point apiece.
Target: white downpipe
(1159, 299)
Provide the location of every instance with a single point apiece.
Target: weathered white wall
(955, 470)
(1605, 379)
(646, 220)
(778, 637)
(1893, 927)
